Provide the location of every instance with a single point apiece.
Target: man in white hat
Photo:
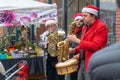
(52, 25)
(94, 37)
(52, 58)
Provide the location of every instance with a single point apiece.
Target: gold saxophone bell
(61, 44)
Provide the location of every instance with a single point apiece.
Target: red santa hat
(50, 21)
(78, 16)
(91, 9)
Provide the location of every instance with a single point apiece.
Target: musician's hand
(73, 38)
(76, 56)
(46, 45)
(71, 50)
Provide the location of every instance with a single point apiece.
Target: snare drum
(67, 67)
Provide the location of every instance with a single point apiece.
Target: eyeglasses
(51, 25)
(81, 20)
(78, 20)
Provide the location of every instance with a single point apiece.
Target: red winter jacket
(93, 40)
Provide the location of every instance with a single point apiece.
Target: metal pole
(64, 14)
(31, 32)
(17, 35)
(78, 5)
(50, 1)
(8, 29)
(97, 3)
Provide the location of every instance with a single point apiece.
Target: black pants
(2, 77)
(73, 76)
(51, 70)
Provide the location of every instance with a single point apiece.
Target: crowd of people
(90, 35)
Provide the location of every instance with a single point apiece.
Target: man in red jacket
(94, 35)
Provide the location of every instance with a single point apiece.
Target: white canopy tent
(23, 4)
(22, 9)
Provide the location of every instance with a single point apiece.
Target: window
(108, 16)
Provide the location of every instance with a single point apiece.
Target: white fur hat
(49, 22)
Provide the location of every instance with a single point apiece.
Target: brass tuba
(63, 46)
(53, 39)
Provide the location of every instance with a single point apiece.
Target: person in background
(52, 51)
(78, 19)
(94, 37)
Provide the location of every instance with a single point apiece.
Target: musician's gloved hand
(72, 50)
(46, 45)
(76, 56)
(73, 38)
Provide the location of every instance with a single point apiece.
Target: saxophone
(63, 46)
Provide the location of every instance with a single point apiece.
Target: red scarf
(77, 30)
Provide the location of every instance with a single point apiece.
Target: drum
(67, 67)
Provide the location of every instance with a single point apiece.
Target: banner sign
(36, 17)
